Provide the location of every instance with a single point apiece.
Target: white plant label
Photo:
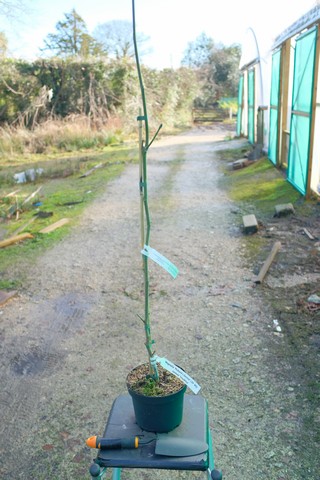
(178, 372)
(160, 260)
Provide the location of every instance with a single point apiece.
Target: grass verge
(64, 193)
(258, 187)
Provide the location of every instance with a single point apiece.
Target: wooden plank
(309, 235)
(300, 113)
(86, 174)
(284, 99)
(313, 115)
(32, 195)
(15, 239)
(241, 163)
(55, 225)
(5, 296)
(265, 267)
(12, 194)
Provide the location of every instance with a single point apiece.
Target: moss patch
(259, 185)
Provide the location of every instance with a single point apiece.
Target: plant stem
(143, 147)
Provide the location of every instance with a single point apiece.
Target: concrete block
(283, 210)
(250, 224)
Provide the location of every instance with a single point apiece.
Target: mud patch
(70, 313)
(72, 306)
(32, 363)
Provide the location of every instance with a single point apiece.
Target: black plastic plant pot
(158, 414)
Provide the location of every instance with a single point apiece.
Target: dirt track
(69, 339)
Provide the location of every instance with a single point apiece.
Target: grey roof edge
(307, 20)
(250, 64)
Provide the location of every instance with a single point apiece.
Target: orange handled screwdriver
(114, 443)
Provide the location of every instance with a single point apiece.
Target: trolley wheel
(216, 475)
(94, 470)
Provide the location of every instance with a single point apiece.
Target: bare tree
(115, 38)
(11, 8)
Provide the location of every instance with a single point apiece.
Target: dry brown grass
(76, 132)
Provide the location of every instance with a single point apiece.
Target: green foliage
(95, 76)
(123, 83)
(78, 87)
(9, 284)
(96, 89)
(198, 52)
(18, 89)
(225, 73)
(216, 67)
(226, 103)
(71, 38)
(93, 88)
(230, 104)
(150, 388)
(3, 45)
(91, 77)
(170, 96)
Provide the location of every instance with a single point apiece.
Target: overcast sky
(170, 24)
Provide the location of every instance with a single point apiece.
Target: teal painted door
(240, 106)
(303, 79)
(274, 108)
(251, 106)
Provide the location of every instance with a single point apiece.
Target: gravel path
(69, 339)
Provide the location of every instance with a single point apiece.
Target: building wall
(252, 58)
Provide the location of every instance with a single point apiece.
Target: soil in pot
(158, 406)
(138, 381)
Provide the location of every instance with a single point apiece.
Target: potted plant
(157, 387)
